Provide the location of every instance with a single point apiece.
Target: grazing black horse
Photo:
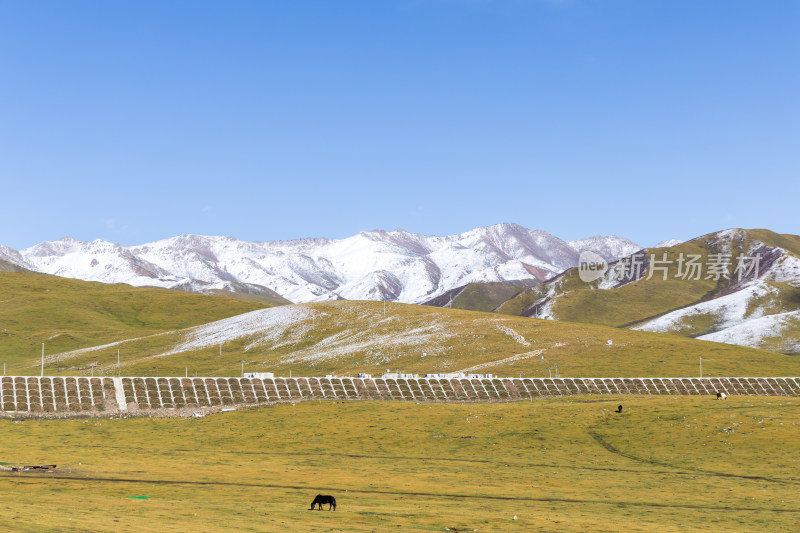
(619, 409)
(320, 499)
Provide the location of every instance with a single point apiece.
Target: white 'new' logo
(591, 266)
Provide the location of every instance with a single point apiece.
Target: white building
(398, 375)
(259, 375)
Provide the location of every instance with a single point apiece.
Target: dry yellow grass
(666, 464)
(350, 337)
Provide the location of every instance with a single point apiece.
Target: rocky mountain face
(12, 260)
(376, 265)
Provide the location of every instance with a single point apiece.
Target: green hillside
(480, 296)
(67, 314)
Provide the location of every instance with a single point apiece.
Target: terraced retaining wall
(104, 395)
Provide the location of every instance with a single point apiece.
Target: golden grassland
(335, 337)
(349, 337)
(664, 463)
(66, 314)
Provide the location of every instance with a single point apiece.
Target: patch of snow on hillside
(266, 325)
(753, 332)
(729, 310)
(787, 268)
(279, 327)
(372, 339)
(668, 243)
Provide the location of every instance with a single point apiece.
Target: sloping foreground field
(349, 337)
(664, 463)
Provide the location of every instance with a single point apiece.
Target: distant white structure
(458, 375)
(398, 375)
(259, 375)
(609, 343)
(446, 375)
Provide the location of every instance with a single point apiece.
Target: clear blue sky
(134, 121)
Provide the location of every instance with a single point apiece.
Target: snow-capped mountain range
(376, 265)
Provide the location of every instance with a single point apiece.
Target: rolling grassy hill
(481, 296)
(348, 337)
(165, 332)
(67, 314)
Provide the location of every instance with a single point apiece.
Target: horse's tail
(333, 502)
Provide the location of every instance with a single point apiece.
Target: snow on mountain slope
(760, 313)
(609, 248)
(726, 311)
(93, 261)
(262, 326)
(395, 265)
(311, 334)
(14, 257)
(785, 268)
(763, 332)
(289, 325)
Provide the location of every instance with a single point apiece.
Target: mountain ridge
(394, 265)
(726, 308)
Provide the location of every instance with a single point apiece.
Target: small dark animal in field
(321, 498)
(619, 409)
(722, 396)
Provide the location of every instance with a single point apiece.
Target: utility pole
(549, 374)
(701, 366)
(119, 372)
(42, 359)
